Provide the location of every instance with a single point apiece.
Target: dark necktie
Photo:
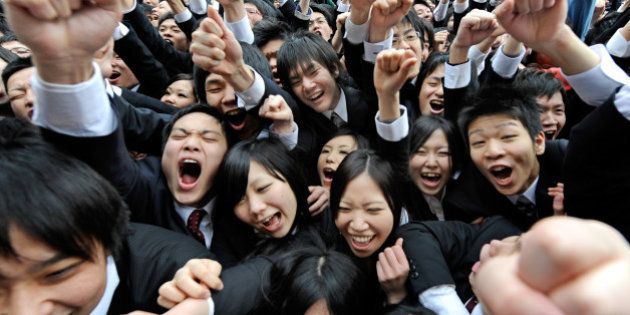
(337, 120)
(193, 225)
(526, 207)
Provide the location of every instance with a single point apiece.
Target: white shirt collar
(530, 193)
(341, 109)
(112, 283)
(206, 223)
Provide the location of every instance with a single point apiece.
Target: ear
(539, 143)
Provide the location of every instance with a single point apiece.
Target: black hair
(303, 48)
(10, 37)
(146, 8)
(196, 108)
(502, 100)
(327, 11)
(5, 28)
(183, 77)
(312, 272)
(361, 141)
(539, 83)
(272, 155)
(435, 60)
(164, 17)
(7, 55)
(426, 27)
(380, 171)
(424, 127)
(251, 56)
(53, 198)
(14, 66)
(268, 30)
(268, 11)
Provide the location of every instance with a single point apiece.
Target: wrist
(388, 106)
(64, 71)
(282, 127)
(234, 12)
(458, 54)
(395, 297)
(242, 78)
(358, 16)
(378, 34)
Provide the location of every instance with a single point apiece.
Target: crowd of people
(312, 157)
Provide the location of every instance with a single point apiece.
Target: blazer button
(412, 267)
(415, 275)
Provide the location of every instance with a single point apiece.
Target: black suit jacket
(149, 257)
(475, 197)
(140, 183)
(597, 172)
(444, 252)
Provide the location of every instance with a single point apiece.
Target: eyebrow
(204, 131)
(498, 126)
(214, 81)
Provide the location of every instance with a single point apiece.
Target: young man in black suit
(76, 113)
(65, 242)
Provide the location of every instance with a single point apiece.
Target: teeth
(431, 175)
(266, 220)
(498, 168)
(362, 239)
(190, 161)
(316, 96)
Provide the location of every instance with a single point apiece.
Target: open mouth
(501, 174)
(361, 242)
(329, 173)
(114, 76)
(550, 133)
(437, 106)
(316, 97)
(432, 179)
(272, 223)
(168, 41)
(189, 171)
(236, 118)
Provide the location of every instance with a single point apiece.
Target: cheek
(446, 165)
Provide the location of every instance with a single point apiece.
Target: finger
(208, 272)
(208, 39)
(379, 272)
(74, 4)
(549, 3)
(41, 10)
(400, 256)
(548, 254)
(62, 7)
(392, 261)
(514, 298)
(505, 12)
(597, 292)
(212, 23)
(170, 293)
(522, 7)
(314, 195)
(319, 204)
(388, 272)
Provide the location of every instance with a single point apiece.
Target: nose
(358, 224)
(256, 205)
(547, 118)
(431, 160)
(494, 149)
(229, 97)
(30, 98)
(440, 90)
(403, 44)
(192, 143)
(330, 158)
(168, 99)
(307, 83)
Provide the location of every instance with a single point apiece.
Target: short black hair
(164, 17)
(327, 11)
(196, 108)
(502, 100)
(55, 199)
(424, 127)
(361, 141)
(9, 37)
(537, 83)
(303, 48)
(251, 56)
(7, 55)
(14, 66)
(268, 11)
(268, 30)
(381, 172)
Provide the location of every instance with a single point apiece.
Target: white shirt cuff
(120, 31)
(478, 310)
(440, 11)
(478, 58)
(460, 7)
(457, 76)
(183, 16)
(342, 7)
(81, 110)
(504, 65)
(393, 131)
(290, 139)
(210, 306)
(356, 34)
(241, 29)
(198, 6)
(618, 46)
(252, 96)
(443, 300)
(371, 50)
(298, 13)
(596, 85)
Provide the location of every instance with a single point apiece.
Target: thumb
(214, 15)
(399, 241)
(505, 11)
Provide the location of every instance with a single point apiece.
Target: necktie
(337, 120)
(193, 225)
(526, 207)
